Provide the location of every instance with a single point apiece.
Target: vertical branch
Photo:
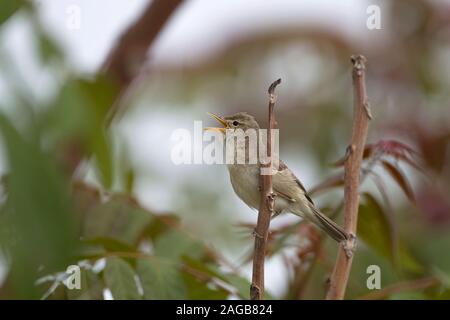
(265, 207)
(127, 57)
(361, 117)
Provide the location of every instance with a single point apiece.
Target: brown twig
(126, 59)
(123, 63)
(265, 207)
(361, 118)
(412, 285)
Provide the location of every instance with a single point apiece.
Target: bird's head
(241, 120)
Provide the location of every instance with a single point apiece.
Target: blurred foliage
(52, 214)
(9, 7)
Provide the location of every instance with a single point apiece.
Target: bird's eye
(235, 123)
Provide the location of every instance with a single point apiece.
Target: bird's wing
(285, 184)
(282, 183)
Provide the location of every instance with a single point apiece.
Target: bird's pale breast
(245, 180)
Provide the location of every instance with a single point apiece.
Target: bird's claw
(256, 234)
(350, 246)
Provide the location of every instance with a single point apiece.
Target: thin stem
(361, 117)
(127, 58)
(412, 285)
(265, 208)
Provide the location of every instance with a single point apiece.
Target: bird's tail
(329, 226)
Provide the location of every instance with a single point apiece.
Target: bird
(290, 194)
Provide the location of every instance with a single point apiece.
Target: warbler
(290, 194)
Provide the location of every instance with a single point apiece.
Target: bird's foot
(256, 234)
(350, 246)
(274, 215)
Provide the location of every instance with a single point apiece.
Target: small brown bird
(290, 195)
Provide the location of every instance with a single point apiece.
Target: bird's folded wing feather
(286, 184)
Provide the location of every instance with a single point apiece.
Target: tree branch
(265, 207)
(126, 59)
(361, 117)
(412, 285)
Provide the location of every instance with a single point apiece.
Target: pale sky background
(198, 28)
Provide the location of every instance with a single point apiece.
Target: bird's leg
(275, 214)
(350, 246)
(256, 234)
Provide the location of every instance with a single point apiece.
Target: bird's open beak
(221, 121)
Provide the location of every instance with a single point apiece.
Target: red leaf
(399, 151)
(332, 182)
(394, 147)
(399, 177)
(435, 205)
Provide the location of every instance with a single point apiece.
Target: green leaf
(110, 244)
(241, 284)
(8, 8)
(161, 224)
(444, 295)
(174, 244)
(120, 279)
(85, 197)
(39, 211)
(91, 287)
(48, 48)
(130, 178)
(374, 228)
(118, 218)
(100, 95)
(101, 146)
(78, 114)
(205, 268)
(160, 279)
(407, 261)
(199, 289)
